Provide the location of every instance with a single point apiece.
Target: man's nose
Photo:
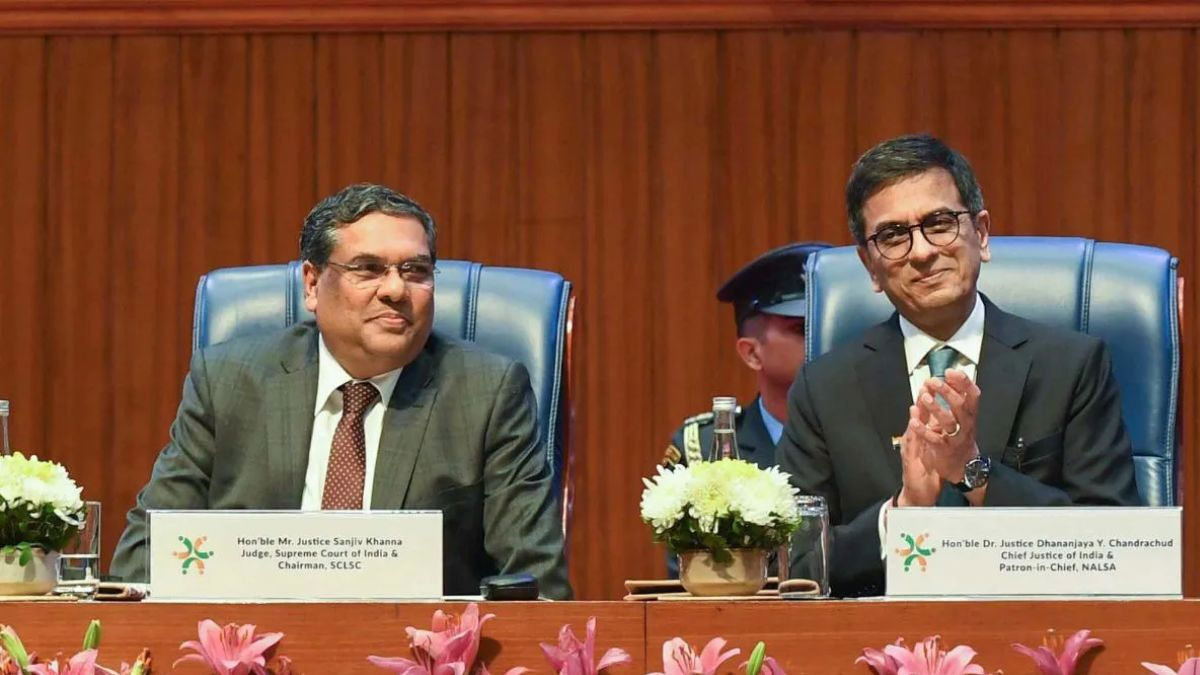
(392, 285)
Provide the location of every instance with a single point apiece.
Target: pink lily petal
(1076, 646)
(956, 661)
(1160, 669)
(1190, 667)
(1043, 659)
(615, 656)
(711, 657)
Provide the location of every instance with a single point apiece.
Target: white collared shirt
(967, 341)
(326, 415)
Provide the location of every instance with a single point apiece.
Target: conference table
(804, 636)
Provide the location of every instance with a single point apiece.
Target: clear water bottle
(4, 425)
(724, 443)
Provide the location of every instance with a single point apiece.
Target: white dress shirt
(967, 341)
(326, 415)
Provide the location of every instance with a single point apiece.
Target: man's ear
(983, 229)
(309, 273)
(865, 258)
(747, 349)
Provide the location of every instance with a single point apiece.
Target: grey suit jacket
(460, 434)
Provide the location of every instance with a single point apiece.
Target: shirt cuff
(882, 529)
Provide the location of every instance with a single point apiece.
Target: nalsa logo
(915, 551)
(192, 555)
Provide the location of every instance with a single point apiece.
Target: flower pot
(36, 578)
(746, 574)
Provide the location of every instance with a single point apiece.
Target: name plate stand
(1034, 552)
(295, 555)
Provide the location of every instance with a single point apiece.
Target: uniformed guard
(768, 306)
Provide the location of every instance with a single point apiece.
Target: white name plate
(295, 555)
(1006, 552)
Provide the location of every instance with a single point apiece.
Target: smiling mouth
(931, 276)
(393, 320)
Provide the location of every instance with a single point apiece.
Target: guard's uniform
(693, 441)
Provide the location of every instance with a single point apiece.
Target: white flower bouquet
(718, 506)
(39, 506)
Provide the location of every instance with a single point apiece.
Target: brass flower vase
(746, 574)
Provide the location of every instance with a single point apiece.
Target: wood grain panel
(26, 263)
(685, 192)
(825, 638)
(483, 146)
(146, 325)
(79, 413)
(415, 102)
(608, 541)
(117, 16)
(822, 95)
(645, 165)
(281, 165)
(317, 644)
(350, 116)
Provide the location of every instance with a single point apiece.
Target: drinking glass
(808, 552)
(79, 562)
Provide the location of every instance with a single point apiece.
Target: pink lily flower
(1064, 663)
(1188, 667)
(879, 661)
(680, 659)
(449, 649)
(232, 650)
(83, 663)
(928, 658)
(572, 657)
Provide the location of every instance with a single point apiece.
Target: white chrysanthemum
(38, 482)
(665, 497)
(716, 494)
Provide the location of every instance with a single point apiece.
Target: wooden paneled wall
(645, 166)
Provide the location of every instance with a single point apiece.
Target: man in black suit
(951, 401)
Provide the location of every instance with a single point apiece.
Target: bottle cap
(724, 403)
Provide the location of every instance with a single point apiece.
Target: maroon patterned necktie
(348, 453)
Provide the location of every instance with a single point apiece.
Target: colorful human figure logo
(915, 551)
(192, 556)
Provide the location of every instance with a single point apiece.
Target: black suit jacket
(1049, 417)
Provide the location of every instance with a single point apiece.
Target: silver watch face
(976, 472)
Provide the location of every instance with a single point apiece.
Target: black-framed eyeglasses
(372, 273)
(940, 229)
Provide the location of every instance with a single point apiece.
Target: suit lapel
(404, 425)
(289, 425)
(1003, 369)
(883, 378)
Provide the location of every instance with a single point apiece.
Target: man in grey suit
(365, 408)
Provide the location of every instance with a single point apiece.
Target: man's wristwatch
(975, 473)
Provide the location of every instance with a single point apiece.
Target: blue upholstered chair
(1123, 293)
(523, 314)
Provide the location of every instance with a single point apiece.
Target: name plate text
(1007, 552)
(294, 555)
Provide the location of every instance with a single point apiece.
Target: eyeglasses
(371, 274)
(895, 241)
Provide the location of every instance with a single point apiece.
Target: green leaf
(26, 553)
(12, 644)
(91, 639)
(756, 658)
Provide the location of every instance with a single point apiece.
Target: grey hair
(319, 233)
(902, 157)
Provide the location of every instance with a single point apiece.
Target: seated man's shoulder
(1060, 343)
(458, 358)
(262, 351)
